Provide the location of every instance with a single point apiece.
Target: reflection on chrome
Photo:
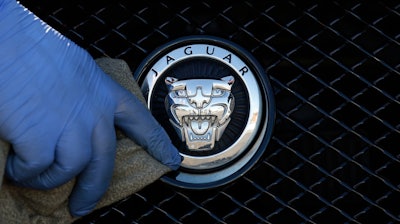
(200, 109)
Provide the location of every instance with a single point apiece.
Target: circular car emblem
(215, 102)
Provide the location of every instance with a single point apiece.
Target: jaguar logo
(216, 103)
(200, 109)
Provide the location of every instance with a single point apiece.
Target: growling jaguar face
(199, 109)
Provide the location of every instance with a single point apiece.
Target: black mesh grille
(334, 67)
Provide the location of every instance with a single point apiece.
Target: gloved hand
(58, 110)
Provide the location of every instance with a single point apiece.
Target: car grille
(334, 67)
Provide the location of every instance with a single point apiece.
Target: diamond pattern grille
(334, 66)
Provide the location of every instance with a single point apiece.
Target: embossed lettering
(188, 51)
(169, 59)
(208, 50)
(155, 72)
(245, 69)
(228, 58)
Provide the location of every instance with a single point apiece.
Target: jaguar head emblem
(199, 109)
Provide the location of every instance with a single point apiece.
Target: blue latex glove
(58, 110)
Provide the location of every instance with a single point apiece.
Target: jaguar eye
(218, 92)
(181, 93)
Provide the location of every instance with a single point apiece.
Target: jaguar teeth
(202, 117)
(194, 138)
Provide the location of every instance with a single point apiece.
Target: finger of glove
(93, 182)
(140, 125)
(31, 155)
(73, 152)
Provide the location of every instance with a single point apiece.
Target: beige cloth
(134, 169)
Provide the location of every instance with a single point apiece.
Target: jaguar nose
(199, 100)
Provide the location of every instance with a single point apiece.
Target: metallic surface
(200, 109)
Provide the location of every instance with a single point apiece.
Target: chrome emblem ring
(216, 103)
